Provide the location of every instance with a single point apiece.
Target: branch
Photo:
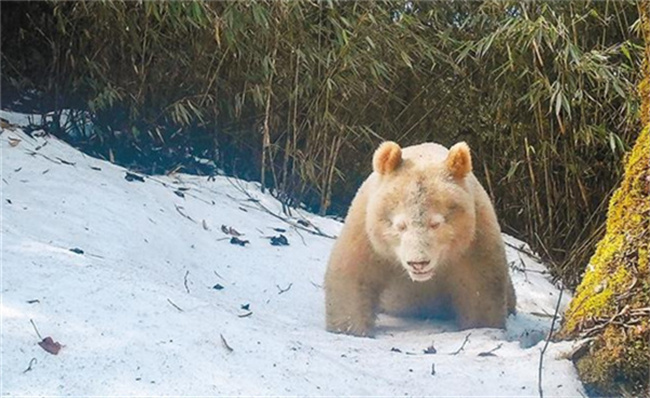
(548, 339)
(175, 306)
(281, 290)
(185, 281)
(317, 232)
(36, 330)
(462, 346)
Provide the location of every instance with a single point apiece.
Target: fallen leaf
(304, 223)
(430, 350)
(133, 177)
(77, 250)
(14, 141)
(50, 345)
(4, 123)
(236, 241)
(395, 350)
(279, 240)
(179, 194)
(205, 225)
(217, 287)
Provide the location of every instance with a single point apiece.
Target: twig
(36, 330)
(217, 274)
(602, 322)
(526, 252)
(225, 343)
(175, 306)
(95, 255)
(249, 313)
(300, 235)
(281, 290)
(490, 353)
(65, 162)
(548, 339)
(40, 154)
(541, 314)
(316, 232)
(178, 209)
(462, 346)
(185, 281)
(31, 362)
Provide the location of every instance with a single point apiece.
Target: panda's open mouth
(421, 276)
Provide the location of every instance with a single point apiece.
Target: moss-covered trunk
(612, 304)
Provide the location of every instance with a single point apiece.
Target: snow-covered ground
(138, 314)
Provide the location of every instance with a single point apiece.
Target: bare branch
(175, 306)
(281, 290)
(548, 339)
(462, 347)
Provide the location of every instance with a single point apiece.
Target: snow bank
(138, 313)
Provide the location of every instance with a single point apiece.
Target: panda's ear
(459, 160)
(387, 158)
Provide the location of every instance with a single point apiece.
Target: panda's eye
(453, 208)
(436, 221)
(400, 226)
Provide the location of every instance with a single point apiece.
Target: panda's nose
(418, 265)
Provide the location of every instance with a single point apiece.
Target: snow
(138, 315)
(22, 119)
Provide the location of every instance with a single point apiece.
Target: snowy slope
(138, 315)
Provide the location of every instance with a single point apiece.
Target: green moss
(616, 367)
(618, 276)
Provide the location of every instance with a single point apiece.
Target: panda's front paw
(358, 329)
